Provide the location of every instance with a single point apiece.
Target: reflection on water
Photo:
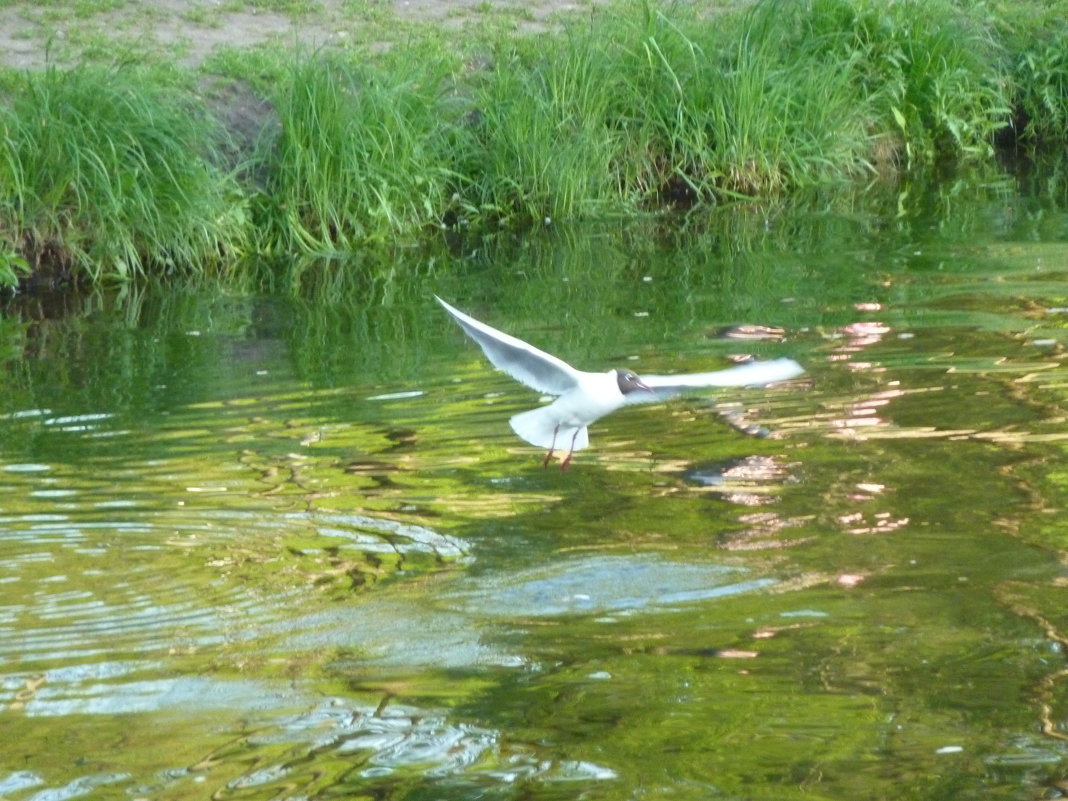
(606, 584)
(276, 548)
(376, 744)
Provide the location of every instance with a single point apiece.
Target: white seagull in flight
(584, 398)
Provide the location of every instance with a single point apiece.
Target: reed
(543, 150)
(931, 71)
(107, 174)
(362, 156)
(742, 105)
(638, 109)
(1035, 39)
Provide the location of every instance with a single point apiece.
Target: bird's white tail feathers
(538, 427)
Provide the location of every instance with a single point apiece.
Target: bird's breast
(596, 395)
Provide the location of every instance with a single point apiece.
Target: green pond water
(266, 548)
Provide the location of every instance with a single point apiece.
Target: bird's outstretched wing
(744, 375)
(535, 368)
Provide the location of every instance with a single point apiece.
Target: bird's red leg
(567, 459)
(552, 448)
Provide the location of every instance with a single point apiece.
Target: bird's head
(629, 381)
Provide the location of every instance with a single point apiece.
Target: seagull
(583, 398)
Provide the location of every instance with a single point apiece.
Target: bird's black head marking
(629, 381)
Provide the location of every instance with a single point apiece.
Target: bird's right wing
(750, 374)
(525, 363)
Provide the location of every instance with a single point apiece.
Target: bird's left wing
(744, 375)
(523, 362)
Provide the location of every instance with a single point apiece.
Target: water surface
(265, 548)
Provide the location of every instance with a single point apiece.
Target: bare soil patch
(188, 32)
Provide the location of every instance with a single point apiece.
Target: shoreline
(395, 131)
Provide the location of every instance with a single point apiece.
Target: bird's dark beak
(642, 385)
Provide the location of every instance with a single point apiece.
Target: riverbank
(311, 130)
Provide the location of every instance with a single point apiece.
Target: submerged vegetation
(111, 172)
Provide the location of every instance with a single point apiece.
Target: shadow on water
(286, 546)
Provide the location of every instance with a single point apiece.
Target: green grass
(292, 7)
(362, 157)
(542, 147)
(83, 9)
(106, 174)
(1036, 44)
(635, 111)
(738, 108)
(931, 70)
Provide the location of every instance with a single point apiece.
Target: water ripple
(394, 741)
(379, 535)
(611, 583)
(83, 785)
